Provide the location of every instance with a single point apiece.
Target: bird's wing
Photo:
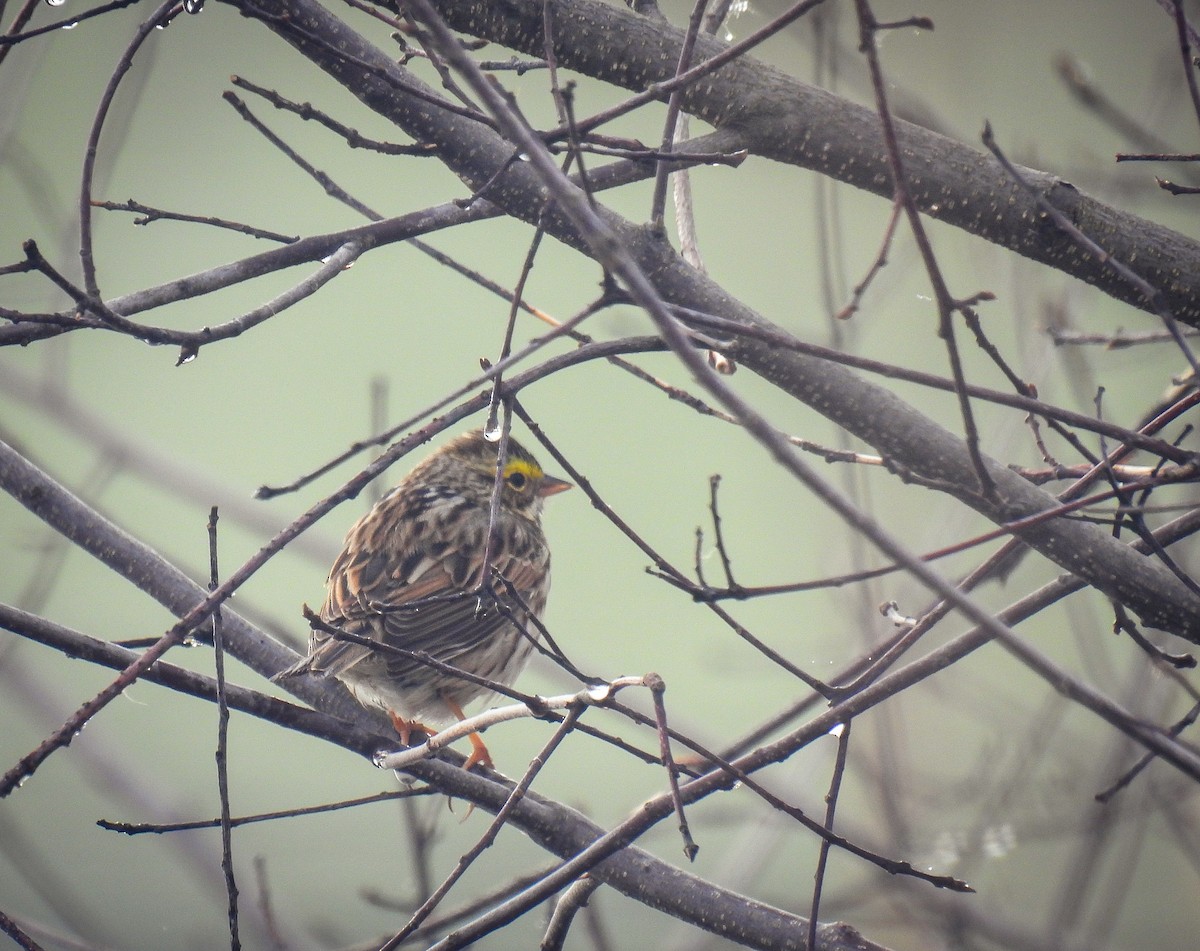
(454, 621)
(425, 604)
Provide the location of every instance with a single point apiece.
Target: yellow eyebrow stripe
(525, 467)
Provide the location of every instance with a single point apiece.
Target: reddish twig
(946, 304)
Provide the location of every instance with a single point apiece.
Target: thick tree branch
(779, 117)
(909, 439)
(557, 828)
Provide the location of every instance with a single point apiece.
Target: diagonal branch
(555, 827)
(779, 117)
(912, 442)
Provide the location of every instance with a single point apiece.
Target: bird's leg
(479, 752)
(405, 727)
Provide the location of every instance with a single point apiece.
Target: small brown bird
(409, 576)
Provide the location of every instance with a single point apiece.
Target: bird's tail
(301, 667)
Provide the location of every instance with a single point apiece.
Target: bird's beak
(552, 486)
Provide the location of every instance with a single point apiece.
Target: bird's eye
(517, 480)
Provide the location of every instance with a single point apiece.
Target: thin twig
(448, 82)
(556, 91)
(1176, 189)
(523, 617)
(1134, 771)
(202, 611)
(158, 214)
(22, 17)
(880, 262)
(190, 341)
(778, 338)
(831, 801)
(1124, 624)
(657, 688)
(512, 64)
(354, 139)
(86, 251)
(600, 694)
(510, 326)
(660, 563)
(575, 153)
(160, 828)
(1158, 156)
(591, 351)
(1185, 54)
(489, 836)
(439, 925)
(1153, 296)
(222, 756)
(325, 181)
(1115, 341)
(639, 153)
(662, 89)
(12, 39)
(658, 199)
(714, 483)
(498, 432)
(946, 304)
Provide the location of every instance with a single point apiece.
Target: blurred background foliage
(983, 773)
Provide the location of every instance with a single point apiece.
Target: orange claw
(479, 752)
(405, 727)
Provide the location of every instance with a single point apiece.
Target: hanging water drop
(55, 3)
(379, 757)
(71, 25)
(492, 431)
